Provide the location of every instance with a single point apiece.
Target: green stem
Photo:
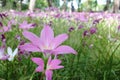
(7, 71)
(42, 76)
(32, 75)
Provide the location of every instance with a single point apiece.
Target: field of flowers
(57, 45)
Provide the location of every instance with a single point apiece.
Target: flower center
(47, 47)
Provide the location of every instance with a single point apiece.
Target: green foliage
(41, 3)
(98, 57)
(56, 3)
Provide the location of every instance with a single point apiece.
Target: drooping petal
(55, 64)
(30, 47)
(39, 69)
(40, 64)
(38, 61)
(32, 37)
(47, 35)
(64, 50)
(59, 40)
(9, 51)
(48, 74)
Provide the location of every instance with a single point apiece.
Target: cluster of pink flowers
(49, 46)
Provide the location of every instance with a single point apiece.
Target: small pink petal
(25, 25)
(39, 62)
(55, 64)
(39, 69)
(48, 74)
(57, 67)
(64, 50)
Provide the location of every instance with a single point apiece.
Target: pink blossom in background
(6, 28)
(3, 56)
(26, 26)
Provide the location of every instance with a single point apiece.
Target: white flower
(12, 54)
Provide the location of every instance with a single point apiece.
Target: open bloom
(46, 43)
(6, 28)
(25, 25)
(51, 65)
(2, 55)
(12, 54)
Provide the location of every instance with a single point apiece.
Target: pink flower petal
(49, 61)
(39, 62)
(39, 69)
(30, 47)
(25, 25)
(47, 35)
(48, 74)
(1, 30)
(59, 40)
(64, 50)
(32, 37)
(4, 57)
(6, 29)
(55, 64)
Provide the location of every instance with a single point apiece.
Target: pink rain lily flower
(25, 25)
(47, 43)
(12, 22)
(2, 55)
(6, 28)
(51, 65)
